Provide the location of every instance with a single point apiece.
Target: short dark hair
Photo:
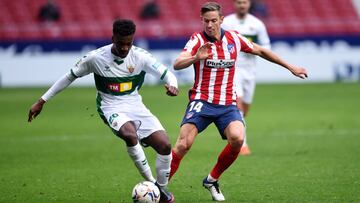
(210, 6)
(123, 27)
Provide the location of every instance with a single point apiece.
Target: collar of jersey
(118, 60)
(212, 39)
(242, 21)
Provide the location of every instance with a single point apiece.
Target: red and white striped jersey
(214, 76)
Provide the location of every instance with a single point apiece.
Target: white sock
(245, 142)
(138, 156)
(211, 179)
(163, 168)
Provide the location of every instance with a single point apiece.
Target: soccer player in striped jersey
(252, 28)
(213, 53)
(119, 70)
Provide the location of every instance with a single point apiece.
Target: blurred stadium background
(305, 138)
(322, 35)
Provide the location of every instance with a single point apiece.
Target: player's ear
(221, 19)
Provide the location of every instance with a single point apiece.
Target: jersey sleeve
(264, 39)
(82, 67)
(150, 65)
(155, 68)
(58, 86)
(246, 45)
(192, 45)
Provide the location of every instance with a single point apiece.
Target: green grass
(305, 141)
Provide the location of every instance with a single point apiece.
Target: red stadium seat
(92, 19)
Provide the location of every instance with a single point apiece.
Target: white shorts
(245, 88)
(146, 123)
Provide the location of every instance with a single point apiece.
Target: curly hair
(123, 27)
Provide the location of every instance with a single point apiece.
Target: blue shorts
(202, 114)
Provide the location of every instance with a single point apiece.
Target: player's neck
(241, 16)
(215, 38)
(218, 37)
(114, 51)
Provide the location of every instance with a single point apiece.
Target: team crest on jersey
(130, 69)
(231, 48)
(189, 115)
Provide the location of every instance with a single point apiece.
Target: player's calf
(236, 143)
(159, 141)
(127, 132)
(186, 138)
(161, 144)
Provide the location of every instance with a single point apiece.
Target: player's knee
(165, 148)
(183, 148)
(128, 133)
(129, 138)
(236, 142)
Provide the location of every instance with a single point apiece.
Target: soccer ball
(146, 192)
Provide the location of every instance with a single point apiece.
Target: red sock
(175, 162)
(225, 159)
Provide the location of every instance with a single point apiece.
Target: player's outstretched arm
(185, 59)
(272, 57)
(57, 87)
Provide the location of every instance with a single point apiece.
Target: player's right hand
(299, 72)
(171, 90)
(204, 51)
(35, 109)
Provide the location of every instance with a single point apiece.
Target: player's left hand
(299, 72)
(171, 90)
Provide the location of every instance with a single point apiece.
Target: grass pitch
(305, 141)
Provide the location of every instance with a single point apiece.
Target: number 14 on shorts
(196, 106)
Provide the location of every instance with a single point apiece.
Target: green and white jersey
(253, 29)
(118, 79)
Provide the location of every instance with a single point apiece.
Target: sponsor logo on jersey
(231, 48)
(130, 69)
(120, 87)
(220, 63)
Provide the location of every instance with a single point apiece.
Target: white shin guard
(163, 169)
(138, 156)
